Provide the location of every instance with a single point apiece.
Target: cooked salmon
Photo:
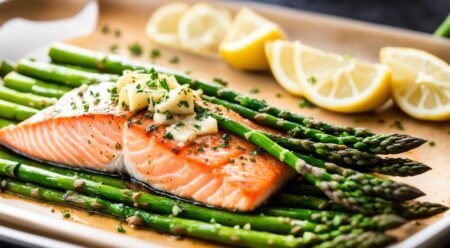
(86, 129)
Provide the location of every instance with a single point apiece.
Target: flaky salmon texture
(86, 129)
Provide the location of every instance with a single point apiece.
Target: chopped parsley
(168, 135)
(431, 143)
(305, 103)
(174, 60)
(155, 53)
(73, 105)
(85, 106)
(312, 80)
(220, 81)
(183, 103)
(135, 49)
(105, 28)
(279, 95)
(254, 91)
(120, 228)
(200, 148)
(225, 140)
(151, 128)
(398, 125)
(65, 214)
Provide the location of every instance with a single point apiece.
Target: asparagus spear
(5, 67)
(154, 203)
(67, 54)
(377, 222)
(61, 74)
(383, 144)
(14, 111)
(221, 217)
(304, 201)
(349, 157)
(25, 99)
(166, 224)
(444, 29)
(358, 240)
(19, 82)
(5, 122)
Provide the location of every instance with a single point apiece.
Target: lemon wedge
(202, 28)
(421, 82)
(280, 55)
(341, 83)
(162, 26)
(243, 46)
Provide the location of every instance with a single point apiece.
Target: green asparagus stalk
(96, 177)
(349, 157)
(444, 29)
(61, 74)
(299, 188)
(154, 203)
(66, 54)
(226, 218)
(5, 67)
(358, 240)
(15, 111)
(378, 222)
(25, 99)
(304, 201)
(5, 122)
(19, 82)
(383, 144)
(166, 224)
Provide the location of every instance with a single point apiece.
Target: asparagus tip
(402, 167)
(388, 221)
(398, 143)
(413, 210)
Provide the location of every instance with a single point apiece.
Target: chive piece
(305, 103)
(65, 214)
(135, 49)
(155, 53)
(174, 60)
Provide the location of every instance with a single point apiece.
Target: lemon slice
(341, 83)
(280, 55)
(243, 46)
(421, 82)
(202, 28)
(162, 27)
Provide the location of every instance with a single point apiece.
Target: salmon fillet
(220, 169)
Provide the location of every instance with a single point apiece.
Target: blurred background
(418, 15)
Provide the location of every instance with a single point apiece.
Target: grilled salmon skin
(86, 129)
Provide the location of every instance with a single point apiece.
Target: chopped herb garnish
(117, 33)
(431, 143)
(155, 53)
(73, 105)
(220, 81)
(118, 146)
(225, 140)
(163, 84)
(183, 103)
(179, 124)
(254, 90)
(398, 125)
(168, 135)
(135, 49)
(151, 128)
(65, 214)
(200, 148)
(120, 228)
(113, 48)
(305, 103)
(312, 80)
(105, 29)
(85, 106)
(197, 126)
(174, 60)
(279, 95)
